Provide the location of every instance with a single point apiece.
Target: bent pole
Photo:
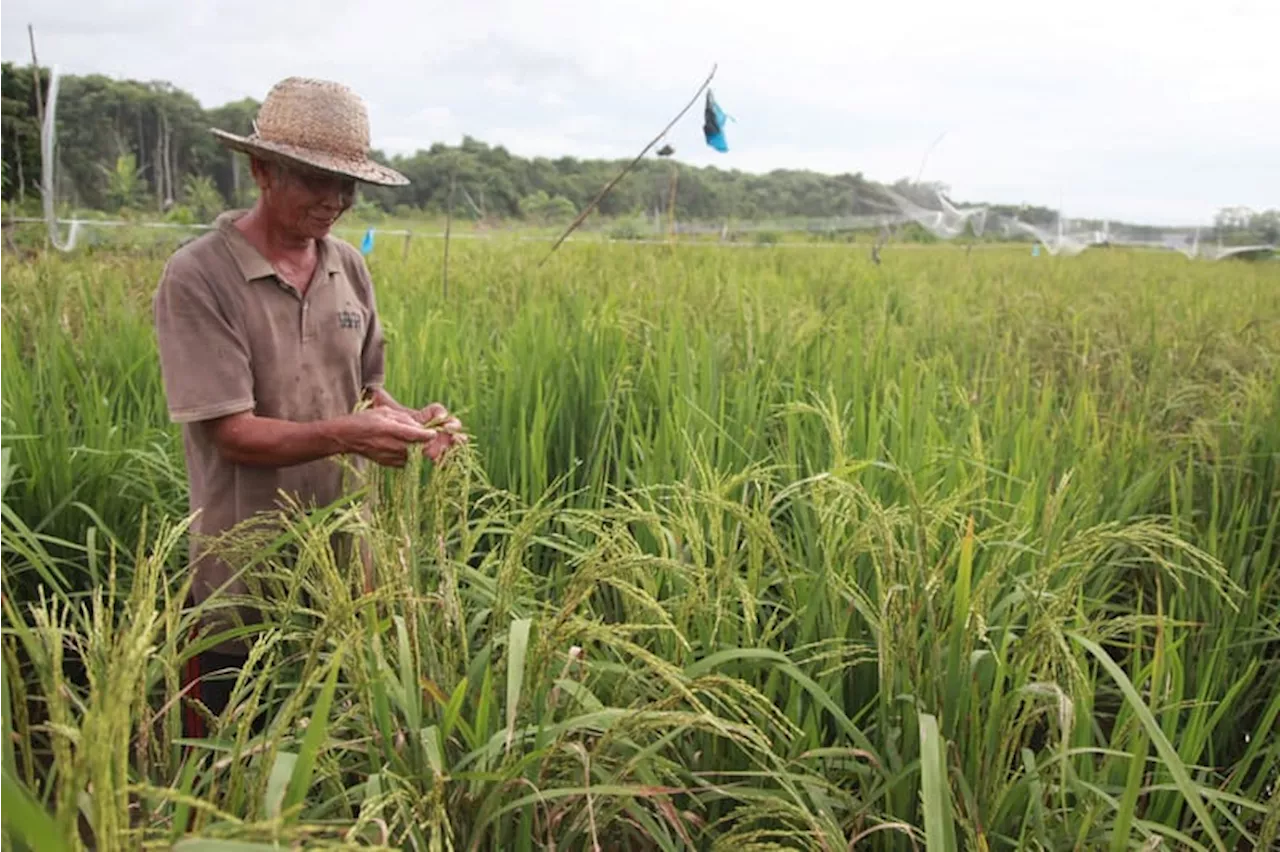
(620, 175)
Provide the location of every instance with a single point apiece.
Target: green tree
(19, 132)
(125, 187)
(559, 209)
(533, 206)
(1267, 226)
(230, 170)
(200, 194)
(544, 209)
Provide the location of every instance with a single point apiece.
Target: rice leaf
(935, 792)
(954, 706)
(1168, 754)
(24, 818)
(8, 762)
(450, 716)
(182, 806)
(517, 648)
(277, 782)
(314, 738)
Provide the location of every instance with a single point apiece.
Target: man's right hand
(382, 435)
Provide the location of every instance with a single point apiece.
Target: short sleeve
(373, 353)
(373, 358)
(204, 357)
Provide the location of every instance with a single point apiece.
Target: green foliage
(26, 821)
(750, 549)
(101, 120)
(125, 188)
(633, 228)
(20, 132)
(546, 210)
(200, 194)
(181, 214)
(367, 213)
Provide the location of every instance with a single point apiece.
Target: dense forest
(130, 147)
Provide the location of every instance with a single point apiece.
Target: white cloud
(1141, 109)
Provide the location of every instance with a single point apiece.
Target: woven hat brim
(362, 168)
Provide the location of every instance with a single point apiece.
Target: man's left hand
(448, 430)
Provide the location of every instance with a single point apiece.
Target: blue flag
(367, 245)
(713, 124)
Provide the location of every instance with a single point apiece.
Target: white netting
(944, 220)
(1060, 242)
(48, 171)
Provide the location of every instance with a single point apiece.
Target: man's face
(304, 201)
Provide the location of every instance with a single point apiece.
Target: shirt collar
(251, 262)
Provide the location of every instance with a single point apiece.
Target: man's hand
(448, 430)
(383, 435)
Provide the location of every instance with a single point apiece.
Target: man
(270, 341)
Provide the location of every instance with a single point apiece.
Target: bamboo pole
(35, 76)
(573, 226)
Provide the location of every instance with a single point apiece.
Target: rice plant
(760, 548)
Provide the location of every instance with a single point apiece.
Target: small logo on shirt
(348, 319)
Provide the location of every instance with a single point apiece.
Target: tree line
(129, 145)
(138, 147)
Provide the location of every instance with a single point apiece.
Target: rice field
(754, 548)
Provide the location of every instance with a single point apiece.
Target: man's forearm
(267, 442)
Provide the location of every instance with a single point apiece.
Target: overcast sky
(1160, 111)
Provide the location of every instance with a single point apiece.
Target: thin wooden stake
(620, 175)
(35, 75)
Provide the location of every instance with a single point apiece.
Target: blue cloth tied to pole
(713, 124)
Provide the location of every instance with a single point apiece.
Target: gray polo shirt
(234, 337)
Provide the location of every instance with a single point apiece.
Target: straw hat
(319, 124)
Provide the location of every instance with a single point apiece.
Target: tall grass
(760, 548)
